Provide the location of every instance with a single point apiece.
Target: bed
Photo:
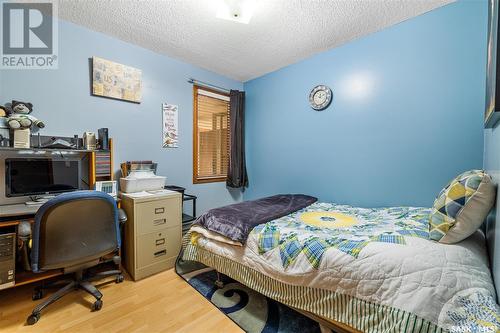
(359, 269)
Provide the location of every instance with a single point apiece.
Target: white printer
(138, 176)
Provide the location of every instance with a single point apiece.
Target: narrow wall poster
(170, 126)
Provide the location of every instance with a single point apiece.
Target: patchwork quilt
(373, 269)
(321, 226)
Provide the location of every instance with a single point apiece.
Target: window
(210, 135)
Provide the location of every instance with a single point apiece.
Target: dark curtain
(237, 171)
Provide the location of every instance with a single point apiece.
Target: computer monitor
(41, 176)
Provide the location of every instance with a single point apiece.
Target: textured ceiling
(280, 32)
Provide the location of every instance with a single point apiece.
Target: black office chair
(73, 232)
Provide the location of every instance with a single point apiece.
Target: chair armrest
(122, 216)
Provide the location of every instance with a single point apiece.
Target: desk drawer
(158, 246)
(157, 215)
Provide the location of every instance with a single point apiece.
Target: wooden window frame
(196, 178)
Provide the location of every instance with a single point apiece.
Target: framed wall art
(114, 80)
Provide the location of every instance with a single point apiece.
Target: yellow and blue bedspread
(322, 226)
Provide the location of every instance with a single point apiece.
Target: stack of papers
(144, 194)
(141, 194)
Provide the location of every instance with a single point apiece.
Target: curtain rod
(208, 85)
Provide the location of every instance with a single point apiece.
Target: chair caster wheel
(33, 318)
(119, 278)
(37, 294)
(97, 305)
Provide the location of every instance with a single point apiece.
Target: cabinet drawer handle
(160, 253)
(159, 222)
(160, 210)
(160, 241)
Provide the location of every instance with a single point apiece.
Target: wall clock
(320, 97)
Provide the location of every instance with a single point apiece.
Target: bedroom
(354, 105)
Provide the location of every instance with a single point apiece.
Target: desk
(97, 165)
(18, 210)
(10, 217)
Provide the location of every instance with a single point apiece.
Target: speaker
(89, 140)
(103, 138)
(22, 138)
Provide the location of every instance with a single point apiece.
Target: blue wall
(406, 117)
(62, 99)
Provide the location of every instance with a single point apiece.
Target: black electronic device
(102, 134)
(56, 142)
(41, 176)
(7, 259)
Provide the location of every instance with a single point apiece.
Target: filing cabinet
(152, 233)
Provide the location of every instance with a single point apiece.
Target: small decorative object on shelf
(20, 122)
(20, 117)
(4, 128)
(89, 141)
(103, 134)
(22, 138)
(76, 141)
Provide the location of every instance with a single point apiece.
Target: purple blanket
(237, 220)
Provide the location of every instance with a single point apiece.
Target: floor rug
(252, 311)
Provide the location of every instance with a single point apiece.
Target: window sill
(209, 180)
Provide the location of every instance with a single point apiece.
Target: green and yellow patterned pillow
(461, 207)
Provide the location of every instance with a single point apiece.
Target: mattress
(372, 269)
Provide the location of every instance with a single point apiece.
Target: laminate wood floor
(161, 303)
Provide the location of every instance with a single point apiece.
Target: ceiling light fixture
(240, 11)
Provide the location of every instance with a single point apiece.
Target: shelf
(187, 218)
(188, 197)
(24, 277)
(187, 221)
(10, 222)
(185, 229)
